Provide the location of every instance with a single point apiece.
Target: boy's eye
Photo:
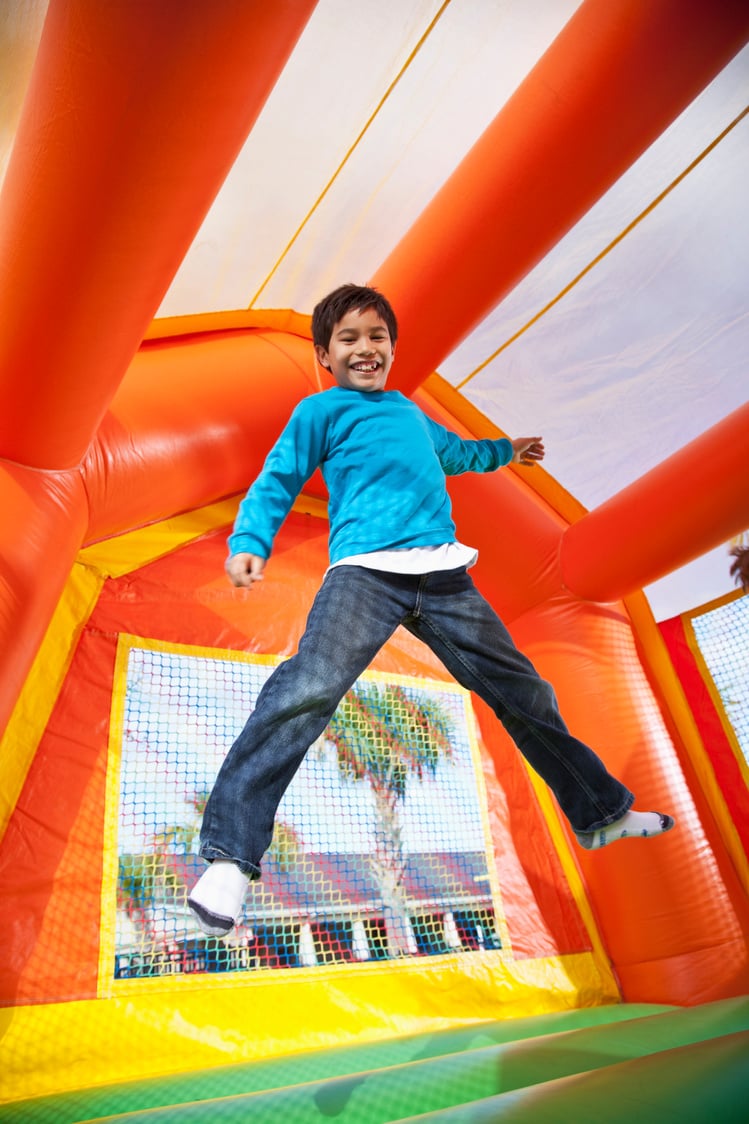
(374, 338)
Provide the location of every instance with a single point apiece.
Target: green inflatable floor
(601, 1065)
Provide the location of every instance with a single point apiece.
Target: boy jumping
(394, 560)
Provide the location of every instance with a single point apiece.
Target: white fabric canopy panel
(376, 107)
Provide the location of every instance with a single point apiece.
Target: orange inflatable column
(608, 86)
(690, 503)
(134, 115)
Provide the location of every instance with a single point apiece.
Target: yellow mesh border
(108, 987)
(60, 1047)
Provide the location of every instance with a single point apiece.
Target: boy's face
(360, 353)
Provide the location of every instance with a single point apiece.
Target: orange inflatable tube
(117, 159)
(687, 505)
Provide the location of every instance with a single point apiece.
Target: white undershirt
(414, 559)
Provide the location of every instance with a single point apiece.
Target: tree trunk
(388, 868)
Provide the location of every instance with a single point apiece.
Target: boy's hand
(245, 569)
(528, 450)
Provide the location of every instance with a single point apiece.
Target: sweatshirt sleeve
(290, 463)
(457, 455)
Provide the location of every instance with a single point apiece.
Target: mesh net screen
(722, 634)
(379, 848)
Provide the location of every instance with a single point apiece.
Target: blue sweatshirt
(384, 463)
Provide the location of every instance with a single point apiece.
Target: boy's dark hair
(349, 298)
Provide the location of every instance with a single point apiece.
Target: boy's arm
(290, 463)
(458, 455)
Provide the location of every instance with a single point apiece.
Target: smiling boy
(372, 446)
(394, 560)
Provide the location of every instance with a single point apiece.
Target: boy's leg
(461, 627)
(352, 617)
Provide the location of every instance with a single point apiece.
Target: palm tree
(383, 736)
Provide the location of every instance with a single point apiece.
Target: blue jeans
(353, 615)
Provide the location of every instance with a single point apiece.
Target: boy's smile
(360, 353)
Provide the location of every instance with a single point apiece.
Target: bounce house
(552, 195)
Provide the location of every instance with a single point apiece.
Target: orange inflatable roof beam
(690, 503)
(612, 81)
(134, 115)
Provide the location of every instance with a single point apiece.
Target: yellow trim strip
(606, 250)
(670, 692)
(39, 693)
(716, 603)
(240, 319)
(133, 549)
(129, 551)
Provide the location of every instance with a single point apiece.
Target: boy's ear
(322, 355)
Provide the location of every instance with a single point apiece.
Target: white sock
(632, 825)
(216, 898)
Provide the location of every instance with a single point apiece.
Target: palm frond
(386, 734)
